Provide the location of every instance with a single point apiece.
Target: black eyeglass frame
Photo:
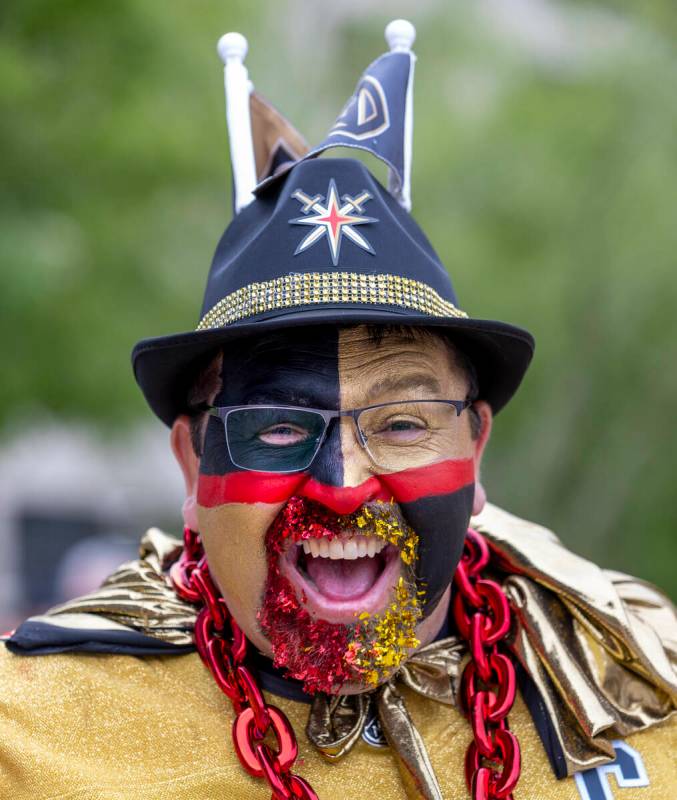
(222, 413)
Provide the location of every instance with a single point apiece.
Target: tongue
(342, 579)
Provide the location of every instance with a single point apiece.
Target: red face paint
(404, 486)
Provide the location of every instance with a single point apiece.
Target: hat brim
(165, 366)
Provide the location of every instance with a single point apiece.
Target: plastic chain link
(223, 648)
(482, 615)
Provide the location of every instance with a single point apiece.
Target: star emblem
(332, 218)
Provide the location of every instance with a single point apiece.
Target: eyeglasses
(397, 435)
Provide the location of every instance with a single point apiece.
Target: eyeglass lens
(273, 439)
(412, 434)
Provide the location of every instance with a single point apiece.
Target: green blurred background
(545, 168)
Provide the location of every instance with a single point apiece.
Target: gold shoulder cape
(600, 646)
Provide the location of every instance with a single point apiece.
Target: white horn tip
(232, 45)
(400, 34)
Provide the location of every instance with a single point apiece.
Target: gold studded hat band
(330, 288)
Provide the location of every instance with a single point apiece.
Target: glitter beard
(326, 655)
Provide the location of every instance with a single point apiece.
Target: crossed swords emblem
(313, 203)
(332, 218)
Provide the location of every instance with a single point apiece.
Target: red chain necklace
(482, 615)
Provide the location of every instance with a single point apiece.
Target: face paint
(241, 511)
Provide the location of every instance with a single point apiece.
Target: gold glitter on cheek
(384, 641)
(390, 636)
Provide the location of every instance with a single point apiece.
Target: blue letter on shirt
(628, 769)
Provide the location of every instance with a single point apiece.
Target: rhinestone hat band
(316, 288)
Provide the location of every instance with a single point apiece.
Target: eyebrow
(279, 396)
(405, 382)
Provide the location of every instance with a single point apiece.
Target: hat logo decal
(366, 112)
(332, 218)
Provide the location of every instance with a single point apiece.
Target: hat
(326, 244)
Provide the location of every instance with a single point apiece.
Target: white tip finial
(400, 35)
(232, 46)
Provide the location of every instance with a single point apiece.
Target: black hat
(326, 244)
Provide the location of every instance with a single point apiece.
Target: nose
(341, 475)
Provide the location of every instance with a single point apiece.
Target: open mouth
(343, 576)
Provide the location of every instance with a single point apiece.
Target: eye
(402, 425)
(401, 429)
(283, 434)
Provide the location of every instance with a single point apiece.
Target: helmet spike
(232, 49)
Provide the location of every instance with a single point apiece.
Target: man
(329, 416)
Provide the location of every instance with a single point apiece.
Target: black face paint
(297, 368)
(441, 522)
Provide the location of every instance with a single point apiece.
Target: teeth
(347, 549)
(350, 549)
(335, 549)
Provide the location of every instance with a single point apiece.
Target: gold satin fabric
(335, 724)
(601, 647)
(137, 595)
(101, 727)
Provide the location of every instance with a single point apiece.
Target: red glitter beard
(313, 651)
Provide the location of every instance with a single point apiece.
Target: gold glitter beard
(384, 641)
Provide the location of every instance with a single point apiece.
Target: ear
(188, 461)
(486, 416)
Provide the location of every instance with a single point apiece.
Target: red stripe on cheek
(435, 479)
(270, 487)
(247, 487)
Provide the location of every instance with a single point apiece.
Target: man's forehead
(364, 347)
(377, 366)
(354, 347)
(311, 363)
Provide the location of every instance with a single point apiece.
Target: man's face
(336, 571)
